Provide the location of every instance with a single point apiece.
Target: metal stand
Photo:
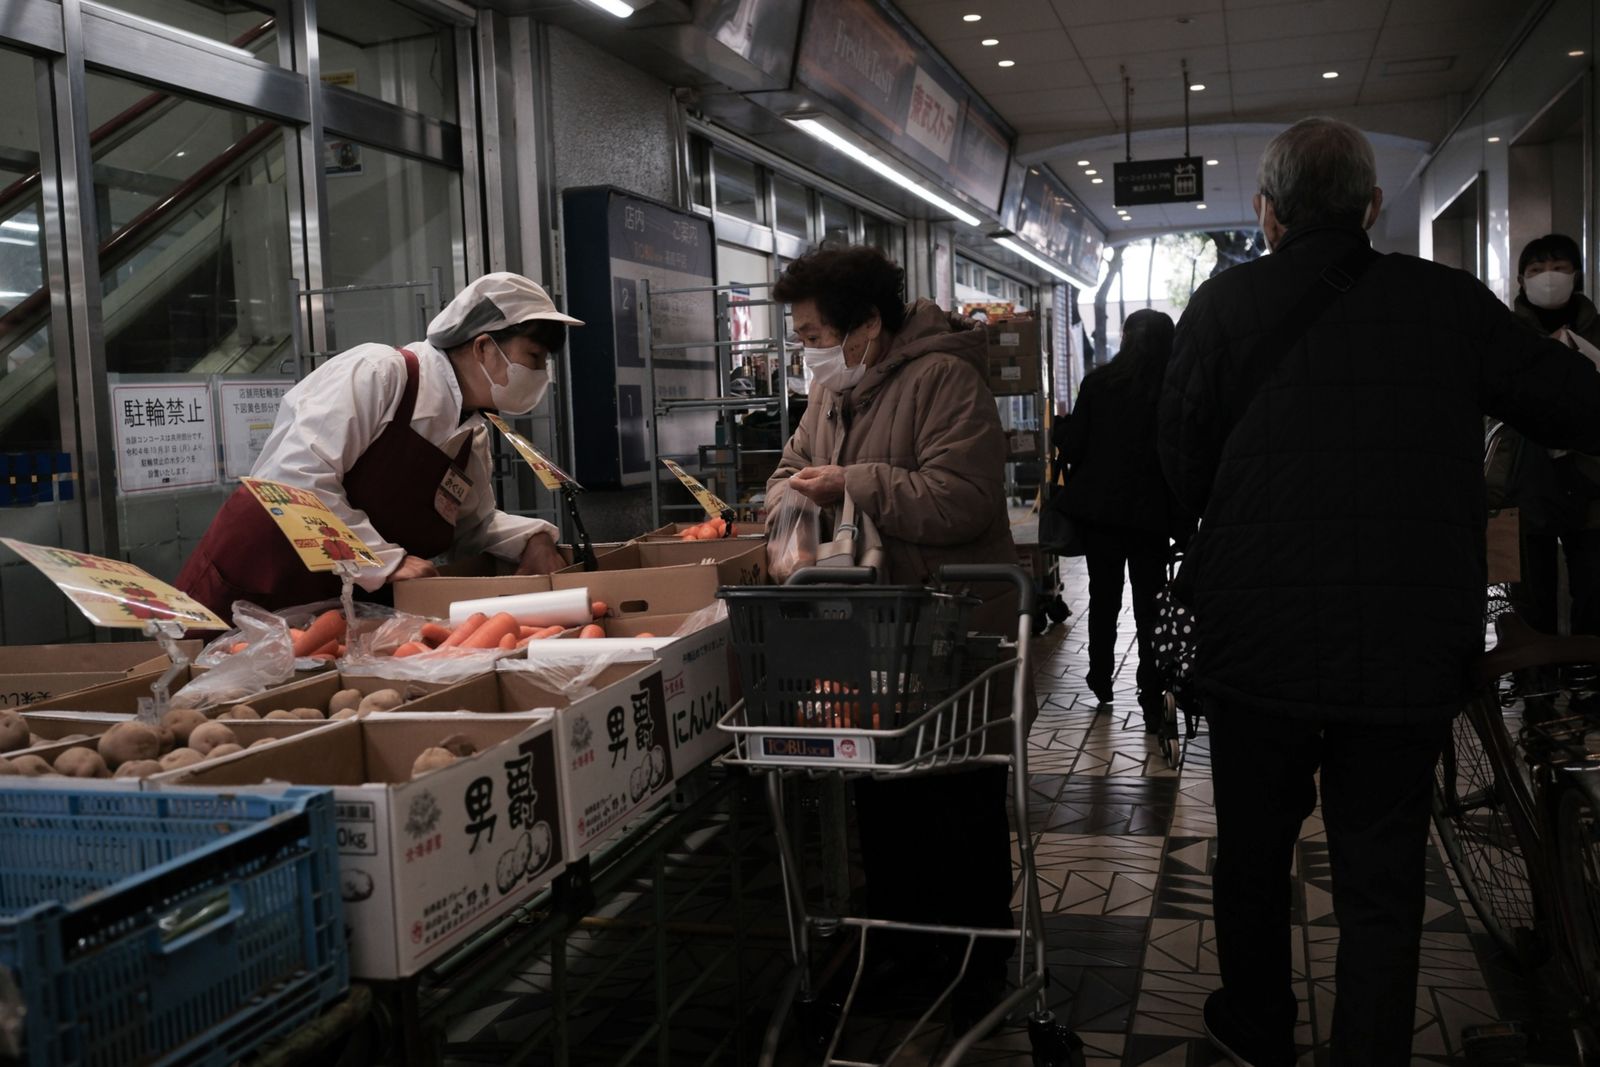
(347, 569)
(582, 547)
(166, 633)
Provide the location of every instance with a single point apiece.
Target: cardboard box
(736, 561)
(424, 862)
(118, 697)
(30, 674)
(1022, 444)
(471, 578)
(316, 691)
(743, 531)
(1014, 357)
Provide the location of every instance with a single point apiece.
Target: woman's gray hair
(1318, 170)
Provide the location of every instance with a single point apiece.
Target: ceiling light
(611, 7)
(1197, 87)
(1212, 162)
(21, 227)
(1037, 261)
(1575, 53)
(1083, 162)
(971, 18)
(990, 42)
(1199, 207)
(1008, 63)
(1091, 173)
(1096, 181)
(1494, 140)
(1330, 74)
(180, 155)
(879, 167)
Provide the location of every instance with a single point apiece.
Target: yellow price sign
(320, 538)
(713, 504)
(550, 476)
(113, 593)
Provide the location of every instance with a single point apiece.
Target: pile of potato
(345, 704)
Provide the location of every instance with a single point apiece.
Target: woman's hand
(540, 556)
(823, 485)
(413, 567)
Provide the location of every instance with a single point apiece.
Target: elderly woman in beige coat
(901, 419)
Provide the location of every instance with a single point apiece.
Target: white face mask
(827, 366)
(523, 390)
(1550, 289)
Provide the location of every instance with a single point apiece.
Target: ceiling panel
(1075, 13)
(1263, 25)
(1153, 35)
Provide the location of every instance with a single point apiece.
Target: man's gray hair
(1318, 170)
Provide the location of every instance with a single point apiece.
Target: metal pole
(1185, 107)
(1127, 112)
(646, 340)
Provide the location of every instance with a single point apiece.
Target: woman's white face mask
(1550, 289)
(827, 366)
(523, 390)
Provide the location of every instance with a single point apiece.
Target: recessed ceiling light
(1212, 162)
(971, 18)
(1091, 173)
(1083, 162)
(1197, 87)
(1330, 74)
(1494, 140)
(180, 155)
(1199, 207)
(1575, 53)
(1008, 63)
(1096, 181)
(990, 42)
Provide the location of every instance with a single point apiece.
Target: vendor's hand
(413, 567)
(823, 485)
(540, 556)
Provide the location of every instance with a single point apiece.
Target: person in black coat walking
(1338, 573)
(1118, 498)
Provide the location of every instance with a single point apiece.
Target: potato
(240, 711)
(208, 736)
(169, 740)
(182, 721)
(13, 732)
(128, 741)
(82, 763)
(262, 741)
(459, 745)
(280, 715)
(180, 757)
(431, 760)
(7, 767)
(139, 768)
(344, 698)
(350, 713)
(224, 750)
(382, 700)
(307, 713)
(32, 766)
(34, 741)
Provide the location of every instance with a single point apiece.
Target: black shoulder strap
(1274, 346)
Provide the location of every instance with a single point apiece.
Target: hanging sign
(320, 538)
(713, 504)
(110, 592)
(1158, 181)
(550, 476)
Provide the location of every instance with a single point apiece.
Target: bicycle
(1515, 802)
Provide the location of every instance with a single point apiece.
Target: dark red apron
(399, 482)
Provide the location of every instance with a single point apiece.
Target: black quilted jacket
(1339, 569)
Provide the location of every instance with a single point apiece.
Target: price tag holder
(713, 504)
(556, 480)
(319, 537)
(112, 593)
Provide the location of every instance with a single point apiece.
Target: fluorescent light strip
(1037, 261)
(879, 167)
(612, 7)
(21, 227)
(23, 241)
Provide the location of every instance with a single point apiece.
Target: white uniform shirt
(329, 420)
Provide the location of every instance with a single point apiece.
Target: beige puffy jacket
(923, 453)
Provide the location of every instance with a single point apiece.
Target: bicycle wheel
(1480, 803)
(1578, 861)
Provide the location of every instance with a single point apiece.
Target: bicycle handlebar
(1521, 647)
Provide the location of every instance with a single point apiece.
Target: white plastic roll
(562, 607)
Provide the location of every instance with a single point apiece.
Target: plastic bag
(794, 530)
(266, 660)
(572, 670)
(369, 617)
(709, 615)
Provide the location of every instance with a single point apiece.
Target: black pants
(937, 849)
(1109, 551)
(1536, 593)
(1376, 783)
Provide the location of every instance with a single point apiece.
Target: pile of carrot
(710, 530)
(323, 639)
(481, 632)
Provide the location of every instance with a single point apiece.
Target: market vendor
(391, 440)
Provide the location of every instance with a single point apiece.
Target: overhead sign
(1050, 219)
(110, 592)
(550, 476)
(1158, 181)
(320, 538)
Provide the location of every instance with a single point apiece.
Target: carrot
(525, 641)
(329, 649)
(344, 649)
(410, 648)
(591, 631)
(435, 634)
(599, 609)
(239, 646)
(295, 632)
(329, 626)
(509, 641)
(489, 634)
(466, 629)
(548, 632)
(326, 657)
(527, 631)
(644, 635)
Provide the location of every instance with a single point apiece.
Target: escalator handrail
(23, 318)
(26, 187)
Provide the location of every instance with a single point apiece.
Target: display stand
(556, 480)
(347, 571)
(166, 633)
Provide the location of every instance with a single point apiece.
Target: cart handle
(993, 572)
(833, 576)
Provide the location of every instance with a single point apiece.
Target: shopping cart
(853, 680)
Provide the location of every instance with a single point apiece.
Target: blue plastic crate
(165, 928)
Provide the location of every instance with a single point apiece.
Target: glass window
(381, 48)
(391, 219)
(836, 221)
(884, 236)
(247, 26)
(30, 420)
(794, 207)
(739, 191)
(700, 171)
(994, 285)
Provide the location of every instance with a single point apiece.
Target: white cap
(492, 303)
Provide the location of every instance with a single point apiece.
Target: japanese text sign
(166, 435)
(112, 593)
(320, 538)
(1158, 181)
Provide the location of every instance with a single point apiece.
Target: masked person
(391, 441)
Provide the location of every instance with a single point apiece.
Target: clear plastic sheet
(266, 660)
(574, 672)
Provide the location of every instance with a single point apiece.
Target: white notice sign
(248, 409)
(166, 434)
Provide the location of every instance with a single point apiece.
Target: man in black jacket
(1338, 575)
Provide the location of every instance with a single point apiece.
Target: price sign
(113, 593)
(550, 476)
(713, 504)
(319, 537)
